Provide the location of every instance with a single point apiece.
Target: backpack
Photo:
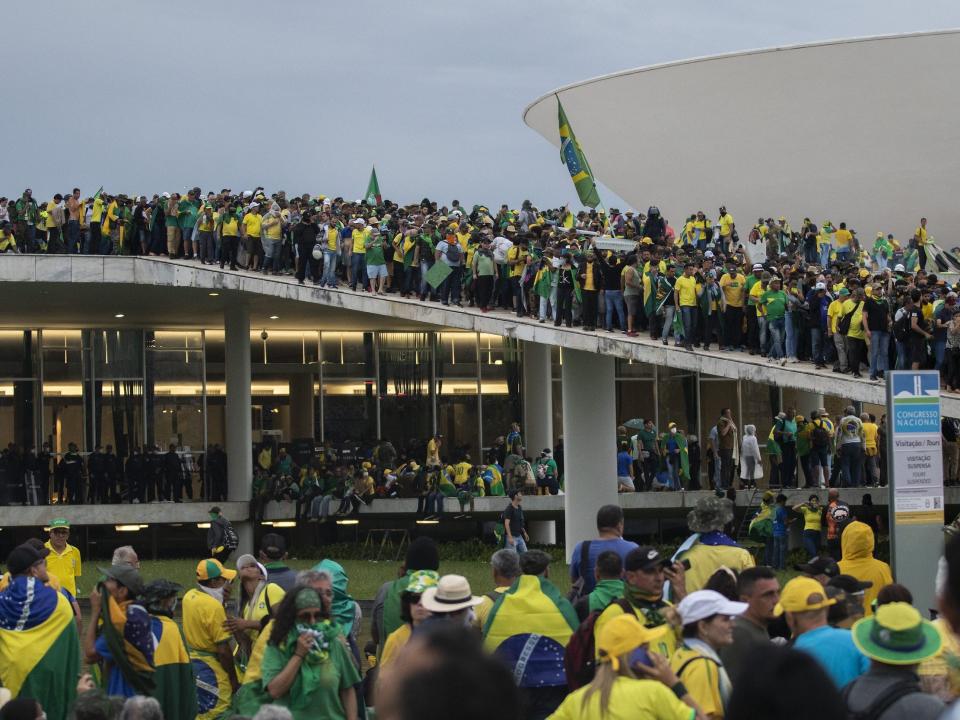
(576, 589)
(901, 326)
(819, 436)
(882, 702)
(843, 326)
(541, 471)
(230, 539)
(580, 656)
(454, 253)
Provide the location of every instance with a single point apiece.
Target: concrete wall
(859, 131)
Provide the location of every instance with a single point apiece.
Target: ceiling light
(285, 524)
(428, 522)
(126, 528)
(119, 315)
(274, 317)
(203, 526)
(348, 522)
(214, 294)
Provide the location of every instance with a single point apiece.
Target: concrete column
(246, 544)
(543, 532)
(301, 406)
(589, 428)
(238, 424)
(537, 398)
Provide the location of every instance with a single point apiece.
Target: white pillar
(537, 398)
(589, 455)
(245, 532)
(238, 423)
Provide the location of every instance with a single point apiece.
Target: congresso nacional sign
(916, 461)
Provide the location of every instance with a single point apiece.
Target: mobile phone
(640, 656)
(686, 564)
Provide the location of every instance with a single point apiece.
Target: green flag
(576, 161)
(437, 274)
(373, 189)
(98, 193)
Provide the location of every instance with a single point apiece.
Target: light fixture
(285, 523)
(126, 528)
(213, 294)
(203, 526)
(269, 523)
(348, 521)
(119, 315)
(428, 522)
(274, 317)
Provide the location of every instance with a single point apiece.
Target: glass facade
(159, 387)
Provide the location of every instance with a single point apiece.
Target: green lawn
(366, 576)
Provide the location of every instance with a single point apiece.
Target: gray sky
(305, 95)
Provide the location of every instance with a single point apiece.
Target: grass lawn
(366, 576)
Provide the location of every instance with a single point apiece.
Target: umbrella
(635, 424)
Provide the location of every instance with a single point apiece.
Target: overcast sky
(306, 95)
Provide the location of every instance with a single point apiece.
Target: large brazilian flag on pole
(39, 645)
(576, 161)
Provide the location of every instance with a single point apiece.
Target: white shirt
(500, 246)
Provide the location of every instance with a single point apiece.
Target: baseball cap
(644, 558)
(622, 634)
(820, 286)
(849, 584)
(758, 266)
(211, 569)
(215, 510)
(896, 635)
(273, 546)
(899, 268)
(703, 604)
(708, 254)
(23, 557)
(60, 523)
(820, 565)
(802, 594)
(125, 574)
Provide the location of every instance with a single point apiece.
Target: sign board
(916, 454)
(915, 479)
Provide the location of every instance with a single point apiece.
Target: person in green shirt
(375, 263)
(649, 452)
(187, 211)
(306, 665)
(774, 300)
(484, 271)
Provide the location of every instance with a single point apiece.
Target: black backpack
(819, 435)
(230, 539)
(882, 702)
(843, 327)
(576, 589)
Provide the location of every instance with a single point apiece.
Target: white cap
(820, 286)
(899, 268)
(166, 195)
(248, 193)
(758, 266)
(702, 604)
(359, 221)
(708, 254)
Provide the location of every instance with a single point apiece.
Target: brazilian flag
(39, 645)
(175, 686)
(528, 629)
(572, 154)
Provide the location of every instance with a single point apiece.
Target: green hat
(420, 580)
(60, 523)
(844, 291)
(896, 635)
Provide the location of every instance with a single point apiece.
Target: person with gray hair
(126, 554)
(312, 577)
(273, 712)
(139, 707)
(505, 564)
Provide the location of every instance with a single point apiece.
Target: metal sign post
(915, 480)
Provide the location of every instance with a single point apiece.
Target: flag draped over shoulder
(372, 196)
(528, 628)
(39, 645)
(576, 161)
(176, 687)
(128, 633)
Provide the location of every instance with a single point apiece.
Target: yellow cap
(623, 634)
(802, 594)
(211, 569)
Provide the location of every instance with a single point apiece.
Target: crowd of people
(813, 292)
(705, 633)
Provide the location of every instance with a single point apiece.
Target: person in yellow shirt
(208, 640)
(834, 311)
(812, 515)
(727, 227)
(250, 227)
(871, 433)
(920, 242)
(64, 559)
(96, 219)
(206, 244)
(685, 300)
(844, 241)
(358, 254)
(733, 286)
(258, 600)
(412, 612)
(707, 618)
(856, 341)
(8, 243)
(229, 228)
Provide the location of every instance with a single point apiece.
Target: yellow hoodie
(856, 545)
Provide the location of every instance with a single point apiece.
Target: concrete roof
(849, 130)
(77, 291)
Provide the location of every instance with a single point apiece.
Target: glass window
(500, 378)
(284, 346)
(349, 387)
(18, 354)
(174, 389)
(404, 387)
(635, 399)
(633, 369)
(117, 354)
(456, 365)
(677, 398)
